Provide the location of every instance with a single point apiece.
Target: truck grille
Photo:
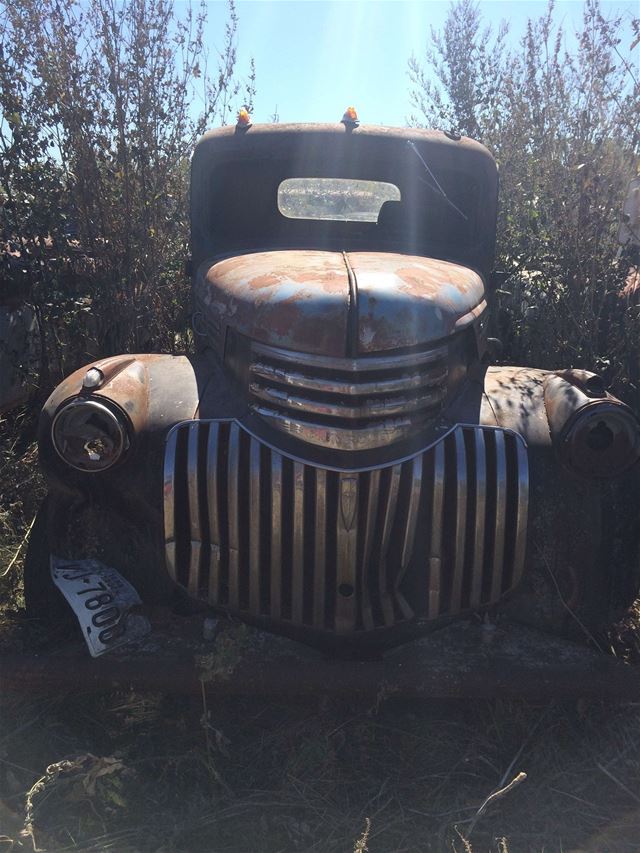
(253, 531)
(347, 403)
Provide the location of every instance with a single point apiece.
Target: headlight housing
(88, 435)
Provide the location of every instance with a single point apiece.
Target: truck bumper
(466, 659)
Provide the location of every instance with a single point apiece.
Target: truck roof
(237, 174)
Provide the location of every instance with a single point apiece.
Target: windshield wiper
(437, 189)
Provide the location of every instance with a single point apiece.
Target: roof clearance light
(350, 117)
(244, 119)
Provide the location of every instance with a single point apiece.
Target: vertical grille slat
(480, 520)
(320, 555)
(195, 544)
(461, 518)
(369, 527)
(522, 510)
(389, 511)
(276, 536)
(346, 551)
(346, 562)
(214, 510)
(499, 521)
(233, 486)
(437, 514)
(297, 582)
(168, 494)
(415, 490)
(255, 516)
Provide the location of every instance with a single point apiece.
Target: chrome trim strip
(352, 365)
(339, 438)
(437, 513)
(470, 316)
(358, 469)
(335, 386)
(194, 509)
(480, 520)
(373, 408)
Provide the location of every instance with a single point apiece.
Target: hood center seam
(352, 310)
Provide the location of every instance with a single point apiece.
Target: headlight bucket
(89, 435)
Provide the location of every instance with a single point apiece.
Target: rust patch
(294, 299)
(411, 301)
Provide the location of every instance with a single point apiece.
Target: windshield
(334, 199)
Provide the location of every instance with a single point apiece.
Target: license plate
(101, 600)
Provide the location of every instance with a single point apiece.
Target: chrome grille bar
(370, 408)
(344, 551)
(331, 385)
(347, 403)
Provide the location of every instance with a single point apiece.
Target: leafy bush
(99, 122)
(564, 126)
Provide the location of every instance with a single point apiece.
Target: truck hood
(337, 304)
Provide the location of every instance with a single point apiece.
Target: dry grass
(124, 771)
(131, 772)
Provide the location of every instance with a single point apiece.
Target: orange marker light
(350, 116)
(244, 119)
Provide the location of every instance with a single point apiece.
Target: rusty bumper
(465, 659)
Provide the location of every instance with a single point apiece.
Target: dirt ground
(126, 771)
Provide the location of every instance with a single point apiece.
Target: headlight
(88, 435)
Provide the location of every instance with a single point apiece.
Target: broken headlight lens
(89, 436)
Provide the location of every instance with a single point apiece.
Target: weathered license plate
(101, 600)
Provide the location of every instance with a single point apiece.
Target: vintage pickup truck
(339, 462)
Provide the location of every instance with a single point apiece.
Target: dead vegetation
(131, 772)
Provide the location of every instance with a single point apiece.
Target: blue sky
(316, 57)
